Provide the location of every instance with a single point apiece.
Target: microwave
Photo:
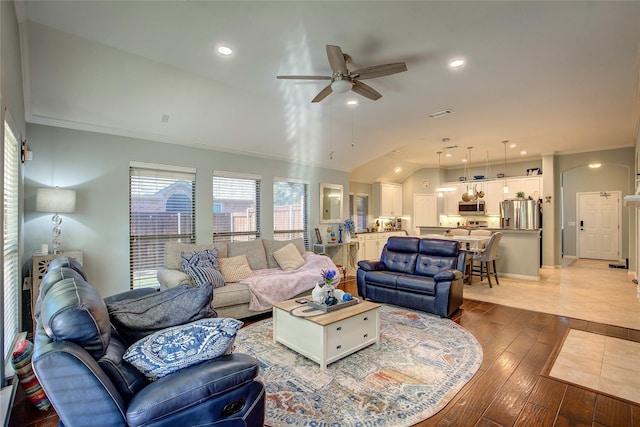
(476, 207)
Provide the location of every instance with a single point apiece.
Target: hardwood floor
(512, 387)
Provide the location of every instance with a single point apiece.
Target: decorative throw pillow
(203, 275)
(289, 258)
(235, 268)
(172, 349)
(21, 362)
(138, 317)
(205, 258)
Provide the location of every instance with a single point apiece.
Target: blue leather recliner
(422, 274)
(78, 360)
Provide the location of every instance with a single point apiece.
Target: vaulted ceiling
(550, 77)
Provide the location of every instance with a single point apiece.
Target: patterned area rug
(420, 364)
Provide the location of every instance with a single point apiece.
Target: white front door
(599, 225)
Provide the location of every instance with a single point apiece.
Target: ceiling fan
(343, 80)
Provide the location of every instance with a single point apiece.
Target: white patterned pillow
(235, 268)
(203, 275)
(169, 350)
(289, 258)
(204, 258)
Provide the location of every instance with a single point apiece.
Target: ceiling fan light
(341, 86)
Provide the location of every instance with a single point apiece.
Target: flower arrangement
(329, 276)
(349, 226)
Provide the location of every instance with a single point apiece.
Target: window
(236, 206)
(11, 273)
(290, 212)
(359, 210)
(161, 210)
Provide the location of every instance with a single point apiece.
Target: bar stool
(487, 259)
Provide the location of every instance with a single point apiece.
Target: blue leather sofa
(422, 274)
(78, 360)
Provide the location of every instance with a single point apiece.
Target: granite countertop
(537, 230)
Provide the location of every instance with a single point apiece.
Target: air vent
(440, 113)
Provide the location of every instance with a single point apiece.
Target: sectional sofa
(242, 299)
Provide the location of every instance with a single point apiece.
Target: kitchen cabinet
(493, 195)
(387, 199)
(452, 198)
(529, 185)
(371, 244)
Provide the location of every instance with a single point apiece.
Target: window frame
(11, 289)
(296, 232)
(165, 176)
(220, 178)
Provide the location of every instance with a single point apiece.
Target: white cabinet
(529, 185)
(493, 195)
(387, 199)
(452, 198)
(371, 244)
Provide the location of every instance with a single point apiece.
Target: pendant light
(469, 187)
(505, 189)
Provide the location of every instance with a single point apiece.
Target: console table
(343, 254)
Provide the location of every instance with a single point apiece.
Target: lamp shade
(55, 200)
(341, 86)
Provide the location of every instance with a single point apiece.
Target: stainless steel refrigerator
(520, 214)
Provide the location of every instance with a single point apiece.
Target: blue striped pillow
(204, 275)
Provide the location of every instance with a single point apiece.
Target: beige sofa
(233, 299)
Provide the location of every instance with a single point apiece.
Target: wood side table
(39, 266)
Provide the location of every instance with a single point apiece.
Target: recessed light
(456, 63)
(225, 50)
(448, 155)
(352, 102)
(523, 152)
(512, 145)
(595, 165)
(464, 160)
(398, 169)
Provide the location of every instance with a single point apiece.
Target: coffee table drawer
(347, 335)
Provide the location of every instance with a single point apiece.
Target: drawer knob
(339, 346)
(339, 328)
(366, 318)
(366, 335)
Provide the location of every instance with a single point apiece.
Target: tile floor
(584, 289)
(601, 363)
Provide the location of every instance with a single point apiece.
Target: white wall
(97, 166)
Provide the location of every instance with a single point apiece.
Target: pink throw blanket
(274, 285)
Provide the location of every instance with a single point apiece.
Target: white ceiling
(551, 77)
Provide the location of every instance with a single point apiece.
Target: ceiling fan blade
(365, 90)
(336, 60)
(323, 94)
(379, 70)
(304, 77)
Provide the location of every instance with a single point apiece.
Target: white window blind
(11, 278)
(161, 209)
(236, 206)
(290, 212)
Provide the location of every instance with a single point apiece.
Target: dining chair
(480, 233)
(459, 231)
(487, 260)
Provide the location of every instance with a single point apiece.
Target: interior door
(425, 211)
(599, 225)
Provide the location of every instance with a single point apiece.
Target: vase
(330, 298)
(340, 235)
(347, 237)
(317, 294)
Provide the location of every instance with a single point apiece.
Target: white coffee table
(327, 337)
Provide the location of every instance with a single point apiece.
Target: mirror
(330, 203)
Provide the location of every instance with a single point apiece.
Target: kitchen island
(519, 251)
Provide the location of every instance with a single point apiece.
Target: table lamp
(57, 201)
